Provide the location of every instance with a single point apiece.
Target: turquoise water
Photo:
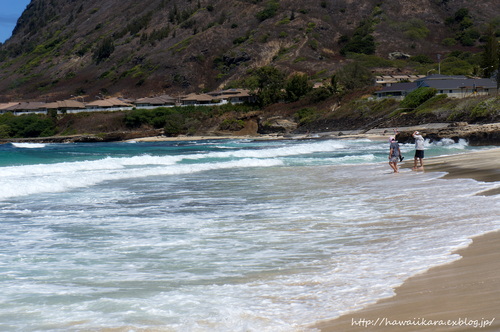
(220, 235)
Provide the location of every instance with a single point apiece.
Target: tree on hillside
(489, 61)
(354, 76)
(452, 65)
(496, 73)
(270, 10)
(297, 86)
(362, 41)
(267, 84)
(104, 50)
(30, 125)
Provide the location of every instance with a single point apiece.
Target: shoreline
(463, 294)
(475, 134)
(423, 297)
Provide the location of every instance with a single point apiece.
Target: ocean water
(220, 235)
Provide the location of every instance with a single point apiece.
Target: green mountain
(61, 48)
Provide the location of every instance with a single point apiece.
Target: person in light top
(419, 150)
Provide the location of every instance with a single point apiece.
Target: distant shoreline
(475, 134)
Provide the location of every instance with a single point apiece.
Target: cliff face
(138, 48)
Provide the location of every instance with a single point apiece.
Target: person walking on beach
(394, 154)
(419, 150)
(396, 133)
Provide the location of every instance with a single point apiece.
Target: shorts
(394, 159)
(419, 154)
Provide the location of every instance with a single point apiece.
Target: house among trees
(65, 105)
(108, 104)
(453, 86)
(20, 108)
(233, 96)
(396, 90)
(389, 80)
(4, 107)
(197, 99)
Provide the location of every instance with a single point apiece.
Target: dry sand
(208, 137)
(465, 293)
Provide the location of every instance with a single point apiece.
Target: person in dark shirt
(394, 154)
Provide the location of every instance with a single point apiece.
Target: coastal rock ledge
(474, 134)
(90, 138)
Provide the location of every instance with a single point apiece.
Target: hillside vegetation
(277, 48)
(299, 117)
(95, 48)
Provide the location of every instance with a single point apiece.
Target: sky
(10, 11)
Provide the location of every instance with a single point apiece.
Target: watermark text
(384, 321)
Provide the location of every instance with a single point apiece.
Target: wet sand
(460, 296)
(479, 165)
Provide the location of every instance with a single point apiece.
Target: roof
(27, 106)
(159, 100)
(197, 97)
(70, 103)
(5, 106)
(407, 86)
(110, 102)
(460, 83)
(442, 77)
(231, 93)
(400, 76)
(441, 82)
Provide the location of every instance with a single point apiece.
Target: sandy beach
(461, 296)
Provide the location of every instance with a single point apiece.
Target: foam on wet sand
(460, 296)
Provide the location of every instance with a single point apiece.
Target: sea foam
(268, 236)
(29, 145)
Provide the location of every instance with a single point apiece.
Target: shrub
(32, 125)
(449, 42)
(354, 76)
(104, 50)
(305, 115)
(484, 109)
(4, 131)
(320, 94)
(174, 124)
(370, 61)
(283, 34)
(418, 97)
(421, 59)
(359, 44)
(269, 11)
(240, 40)
(415, 29)
(362, 41)
(430, 103)
(456, 66)
(468, 37)
(232, 124)
(136, 118)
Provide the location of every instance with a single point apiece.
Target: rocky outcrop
(105, 137)
(475, 134)
(276, 125)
